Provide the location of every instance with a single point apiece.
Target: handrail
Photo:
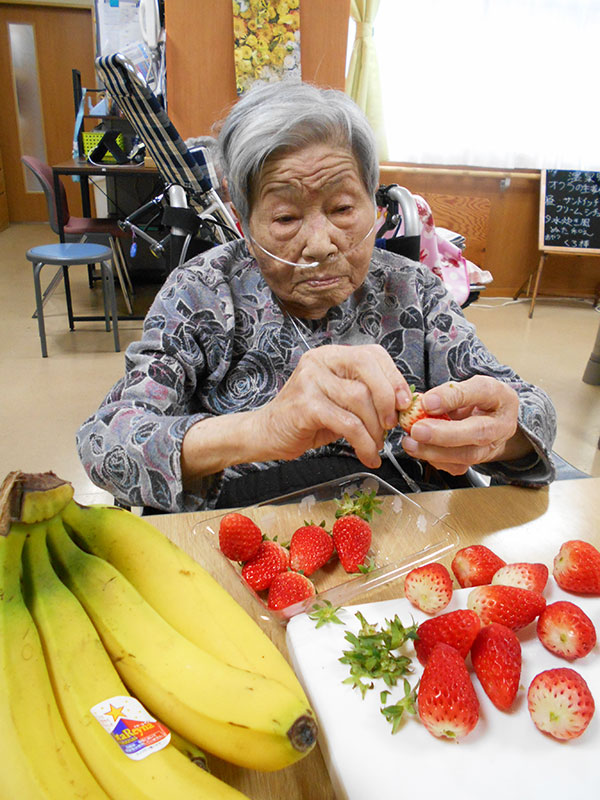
(461, 172)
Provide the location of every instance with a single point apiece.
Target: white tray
(505, 756)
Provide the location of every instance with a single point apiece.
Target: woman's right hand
(336, 391)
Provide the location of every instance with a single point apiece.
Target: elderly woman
(283, 359)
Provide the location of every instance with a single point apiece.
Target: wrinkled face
(311, 206)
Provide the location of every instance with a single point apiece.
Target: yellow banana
(182, 592)
(189, 750)
(238, 715)
(83, 676)
(39, 759)
(35, 497)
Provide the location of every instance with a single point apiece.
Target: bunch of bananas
(121, 660)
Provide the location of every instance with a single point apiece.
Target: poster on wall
(266, 41)
(118, 30)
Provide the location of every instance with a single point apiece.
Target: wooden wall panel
(199, 51)
(467, 214)
(323, 41)
(461, 200)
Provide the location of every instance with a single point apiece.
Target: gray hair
(287, 116)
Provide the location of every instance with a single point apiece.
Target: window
(491, 83)
(27, 96)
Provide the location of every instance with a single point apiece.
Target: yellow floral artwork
(266, 41)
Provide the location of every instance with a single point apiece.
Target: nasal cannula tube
(308, 264)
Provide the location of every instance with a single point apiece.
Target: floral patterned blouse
(216, 341)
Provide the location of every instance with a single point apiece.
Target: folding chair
(191, 206)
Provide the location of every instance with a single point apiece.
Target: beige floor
(45, 400)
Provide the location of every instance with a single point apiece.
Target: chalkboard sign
(570, 211)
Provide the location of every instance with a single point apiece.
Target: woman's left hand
(483, 426)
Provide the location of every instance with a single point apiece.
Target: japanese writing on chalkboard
(571, 209)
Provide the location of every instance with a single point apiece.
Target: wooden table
(519, 524)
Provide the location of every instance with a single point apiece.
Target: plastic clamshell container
(405, 535)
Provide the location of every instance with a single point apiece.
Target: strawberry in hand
(310, 548)
(429, 587)
(415, 412)
(496, 659)
(239, 537)
(560, 703)
(446, 700)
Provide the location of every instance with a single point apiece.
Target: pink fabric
(443, 258)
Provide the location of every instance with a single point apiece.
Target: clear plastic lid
(404, 536)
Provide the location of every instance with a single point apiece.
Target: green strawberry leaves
(395, 713)
(362, 504)
(325, 613)
(374, 657)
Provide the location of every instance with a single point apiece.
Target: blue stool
(68, 254)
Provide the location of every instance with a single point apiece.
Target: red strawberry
(496, 659)
(507, 605)
(475, 565)
(269, 561)
(456, 628)
(310, 548)
(239, 537)
(289, 588)
(416, 412)
(446, 700)
(577, 567)
(352, 539)
(564, 629)
(560, 703)
(524, 575)
(429, 587)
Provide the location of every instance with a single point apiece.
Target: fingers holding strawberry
(336, 391)
(484, 413)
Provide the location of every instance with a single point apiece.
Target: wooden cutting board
(505, 756)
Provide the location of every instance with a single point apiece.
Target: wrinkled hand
(482, 428)
(336, 391)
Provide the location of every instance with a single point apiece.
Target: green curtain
(362, 80)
